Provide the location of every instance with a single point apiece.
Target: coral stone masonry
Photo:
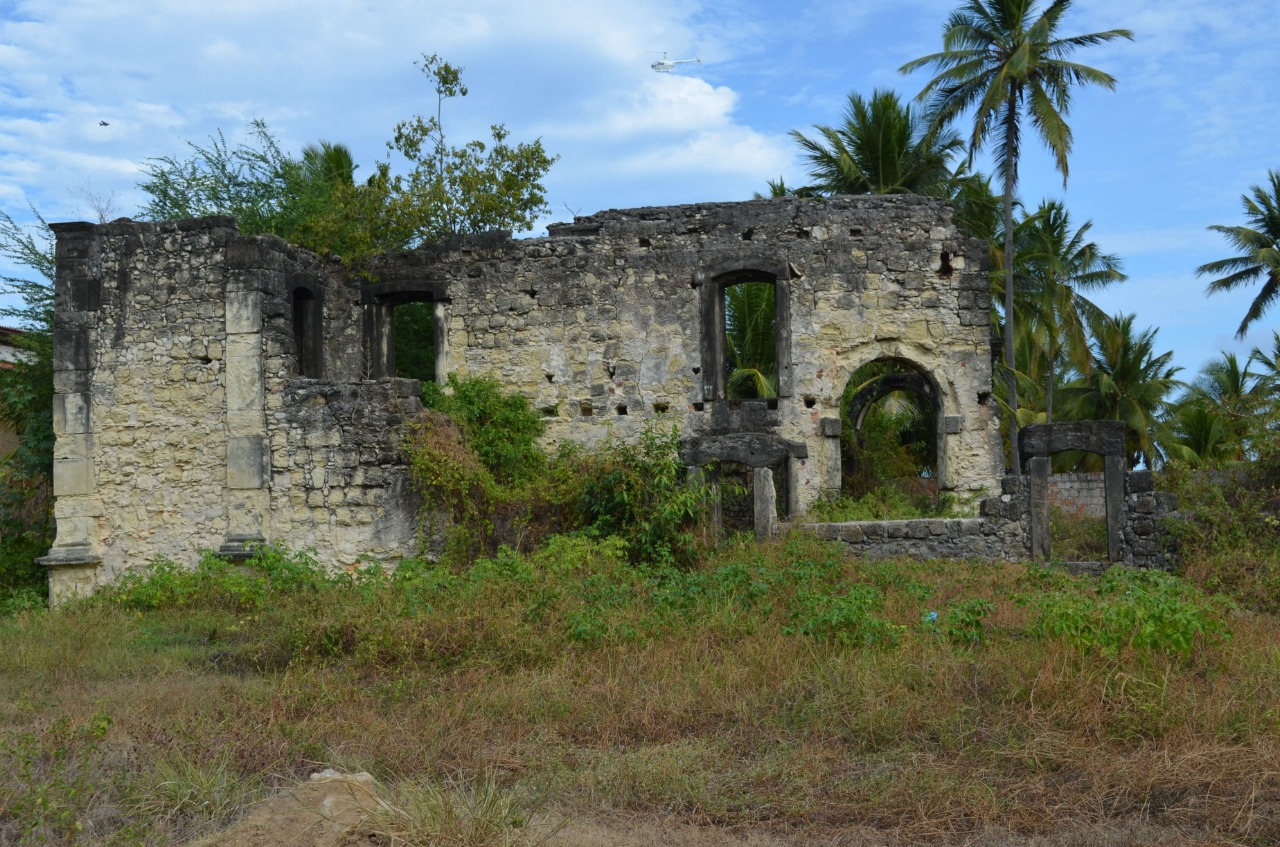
(215, 390)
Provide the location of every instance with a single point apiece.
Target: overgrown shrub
(487, 484)
(638, 491)
(1228, 532)
(499, 428)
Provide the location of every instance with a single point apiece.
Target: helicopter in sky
(664, 65)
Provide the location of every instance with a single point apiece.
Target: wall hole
(698, 407)
(855, 230)
(531, 291)
(748, 233)
(984, 397)
(810, 401)
(945, 268)
(622, 410)
(584, 409)
(551, 377)
(644, 242)
(697, 371)
(771, 403)
(550, 411)
(661, 408)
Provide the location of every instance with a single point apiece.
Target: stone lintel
(753, 449)
(75, 555)
(1105, 438)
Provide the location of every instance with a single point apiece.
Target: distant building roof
(9, 352)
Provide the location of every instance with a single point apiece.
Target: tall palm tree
(1057, 263)
(1127, 381)
(881, 147)
(1007, 63)
(1259, 259)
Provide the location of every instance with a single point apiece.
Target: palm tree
(1058, 263)
(1229, 391)
(1270, 362)
(1005, 62)
(1127, 381)
(881, 147)
(328, 164)
(750, 331)
(1259, 244)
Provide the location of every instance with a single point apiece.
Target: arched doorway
(891, 412)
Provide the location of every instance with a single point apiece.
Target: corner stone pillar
(248, 448)
(75, 558)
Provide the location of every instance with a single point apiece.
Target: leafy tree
(312, 201)
(472, 188)
(315, 201)
(26, 405)
(1126, 381)
(1259, 246)
(1007, 63)
(881, 147)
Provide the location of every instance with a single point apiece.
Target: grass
(783, 687)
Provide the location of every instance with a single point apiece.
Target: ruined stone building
(214, 390)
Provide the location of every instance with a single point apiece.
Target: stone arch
(863, 392)
(380, 301)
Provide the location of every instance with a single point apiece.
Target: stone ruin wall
(607, 321)
(181, 422)
(213, 390)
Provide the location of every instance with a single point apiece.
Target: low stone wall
(931, 538)
(1083, 493)
(1003, 531)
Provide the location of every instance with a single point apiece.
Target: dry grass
(620, 696)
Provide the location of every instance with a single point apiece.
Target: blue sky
(1194, 121)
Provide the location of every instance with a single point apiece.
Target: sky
(1193, 123)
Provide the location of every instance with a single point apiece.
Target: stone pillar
(1041, 544)
(766, 504)
(248, 452)
(831, 429)
(1113, 482)
(75, 558)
